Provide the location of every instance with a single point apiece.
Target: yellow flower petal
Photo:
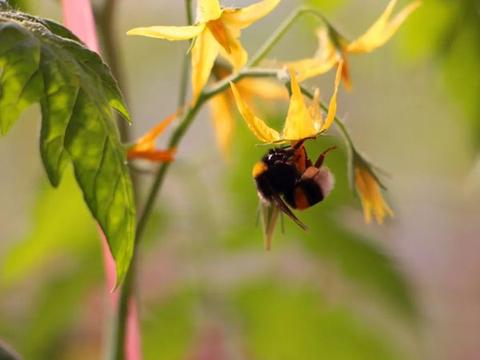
(261, 130)
(204, 52)
(145, 146)
(382, 29)
(298, 124)
(234, 51)
(208, 10)
(315, 110)
(263, 88)
(308, 68)
(223, 121)
(326, 57)
(148, 140)
(168, 32)
(219, 32)
(242, 18)
(332, 107)
(370, 195)
(161, 156)
(364, 192)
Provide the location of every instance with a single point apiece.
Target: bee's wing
(286, 210)
(269, 216)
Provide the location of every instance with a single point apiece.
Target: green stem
(128, 288)
(185, 69)
(280, 32)
(162, 171)
(251, 73)
(174, 142)
(180, 132)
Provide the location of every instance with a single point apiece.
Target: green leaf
(42, 62)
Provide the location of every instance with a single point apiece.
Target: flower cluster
(216, 33)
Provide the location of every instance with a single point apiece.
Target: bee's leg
(282, 223)
(300, 143)
(321, 158)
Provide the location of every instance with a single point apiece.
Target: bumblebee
(287, 178)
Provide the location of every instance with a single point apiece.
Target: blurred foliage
(63, 248)
(168, 330)
(286, 323)
(52, 320)
(449, 31)
(62, 227)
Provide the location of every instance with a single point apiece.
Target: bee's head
(278, 156)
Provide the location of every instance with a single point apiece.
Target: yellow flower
(369, 190)
(216, 32)
(333, 47)
(145, 146)
(222, 105)
(301, 122)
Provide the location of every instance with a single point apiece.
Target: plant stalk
(175, 141)
(281, 31)
(185, 69)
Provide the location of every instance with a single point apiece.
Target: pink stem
(78, 17)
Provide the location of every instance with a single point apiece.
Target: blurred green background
(208, 290)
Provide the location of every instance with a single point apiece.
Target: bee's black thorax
(278, 174)
(286, 177)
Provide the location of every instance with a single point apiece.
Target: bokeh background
(345, 290)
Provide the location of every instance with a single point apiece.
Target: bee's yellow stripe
(259, 168)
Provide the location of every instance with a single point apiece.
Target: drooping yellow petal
(298, 124)
(145, 146)
(219, 32)
(332, 106)
(261, 130)
(364, 192)
(312, 67)
(315, 110)
(208, 10)
(171, 33)
(148, 140)
(370, 195)
(204, 52)
(263, 88)
(326, 57)
(155, 155)
(244, 17)
(326, 47)
(382, 29)
(223, 121)
(234, 51)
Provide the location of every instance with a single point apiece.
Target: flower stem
(128, 288)
(185, 70)
(281, 31)
(177, 137)
(162, 170)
